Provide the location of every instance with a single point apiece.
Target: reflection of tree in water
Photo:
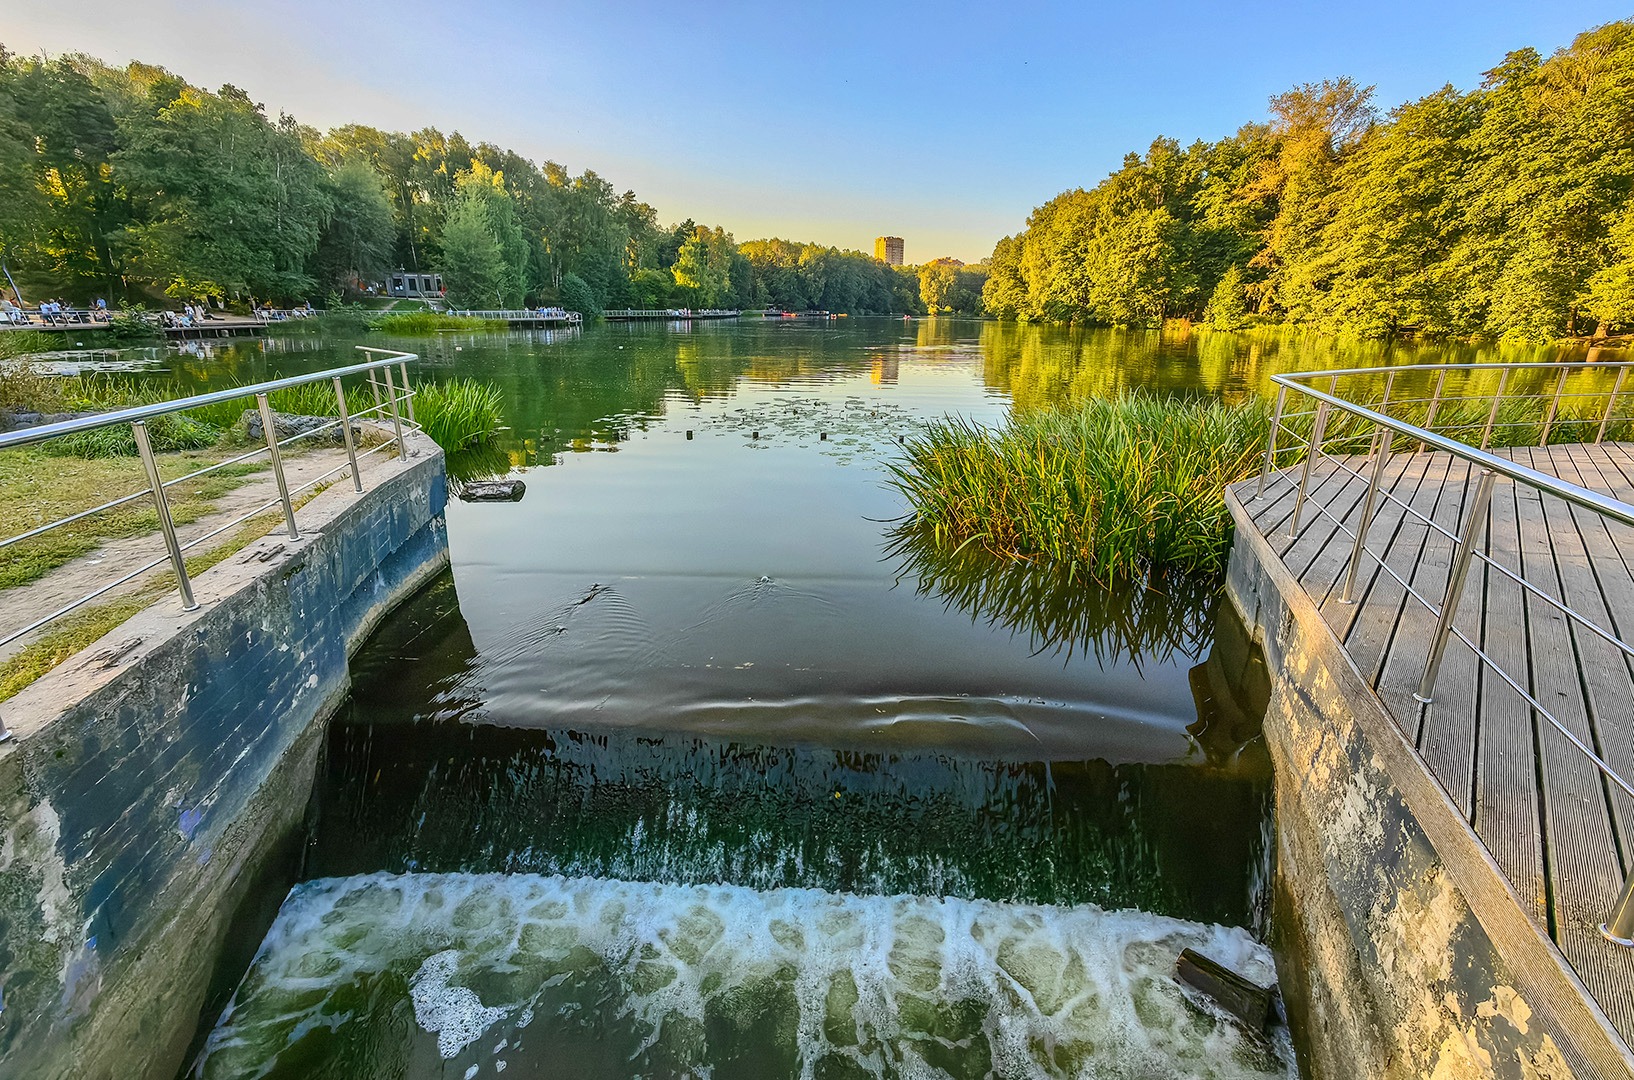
(1058, 611)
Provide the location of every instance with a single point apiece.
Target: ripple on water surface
(424, 975)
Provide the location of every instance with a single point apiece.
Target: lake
(691, 767)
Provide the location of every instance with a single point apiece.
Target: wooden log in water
(493, 491)
(1246, 1000)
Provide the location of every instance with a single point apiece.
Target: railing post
(1619, 929)
(167, 527)
(1554, 406)
(1381, 452)
(1271, 443)
(374, 385)
(1474, 520)
(1435, 406)
(1616, 388)
(346, 433)
(1492, 416)
(270, 429)
(396, 421)
(408, 395)
(1317, 431)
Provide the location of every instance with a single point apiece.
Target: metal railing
(1508, 404)
(393, 404)
(517, 314)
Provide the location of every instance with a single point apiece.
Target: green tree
(578, 296)
(358, 241)
(226, 203)
(473, 264)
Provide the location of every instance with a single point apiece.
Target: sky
(943, 123)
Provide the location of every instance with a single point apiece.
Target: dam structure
(154, 787)
(1434, 559)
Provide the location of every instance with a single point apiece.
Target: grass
(429, 322)
(36, 488)
(73, 633)
(15, 343)
(1115, 489)
(459, 414)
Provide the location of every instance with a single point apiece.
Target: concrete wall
(157, 776)
(1402, 951)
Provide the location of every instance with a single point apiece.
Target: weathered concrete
(155, 774)
(1404, 952)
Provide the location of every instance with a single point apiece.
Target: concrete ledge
(1407, 952)
(155, 774)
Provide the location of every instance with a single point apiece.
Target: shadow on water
(416, 782)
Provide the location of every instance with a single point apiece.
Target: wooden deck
(1559, 831)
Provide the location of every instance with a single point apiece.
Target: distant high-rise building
(888, 249)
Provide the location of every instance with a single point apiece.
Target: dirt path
(114, 558)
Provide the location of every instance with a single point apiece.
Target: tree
(226, 203)
(358, 241)
(577, 296)
(473, 264)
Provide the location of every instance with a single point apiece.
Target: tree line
(131, 183)
(1505, 211)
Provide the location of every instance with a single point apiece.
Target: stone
(289, 425)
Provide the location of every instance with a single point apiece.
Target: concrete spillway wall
(157, 777)
(1402, 952)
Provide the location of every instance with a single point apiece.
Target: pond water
(688, 769)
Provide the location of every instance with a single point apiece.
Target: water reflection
(1058, 612)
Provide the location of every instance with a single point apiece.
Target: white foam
(881, 982)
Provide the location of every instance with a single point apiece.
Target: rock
(492, 490)
(18, 419)
(1248, 1001)
(289, 425)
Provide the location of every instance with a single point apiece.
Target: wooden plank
(1505, 800)
(1374, 626)
(1409, 644)
(1581, 861)
(1402, 478)
(1598, 585)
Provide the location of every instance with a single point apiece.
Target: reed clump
(459, 414)
(1115, 489)
(429, 322)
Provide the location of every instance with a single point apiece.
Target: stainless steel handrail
(1486, 467)
(39, 434)
(384, 410)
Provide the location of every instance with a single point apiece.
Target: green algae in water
(472, 975)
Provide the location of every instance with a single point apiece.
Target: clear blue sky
(942, 123)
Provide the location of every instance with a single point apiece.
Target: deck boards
(1561, 833)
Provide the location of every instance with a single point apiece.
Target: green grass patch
(459, 414)
(1110, 489)
(35, 488)
(75, 632)
(429, 322)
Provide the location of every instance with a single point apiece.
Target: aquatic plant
(429, 322)
(1110, 488)
(459, 414)
(23, 342)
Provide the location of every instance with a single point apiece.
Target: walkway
(1559, 831)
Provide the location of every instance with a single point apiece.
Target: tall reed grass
(460, 413)
(429, 322)
(1113, 489)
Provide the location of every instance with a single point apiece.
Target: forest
(132, 184)
(1502, 212)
